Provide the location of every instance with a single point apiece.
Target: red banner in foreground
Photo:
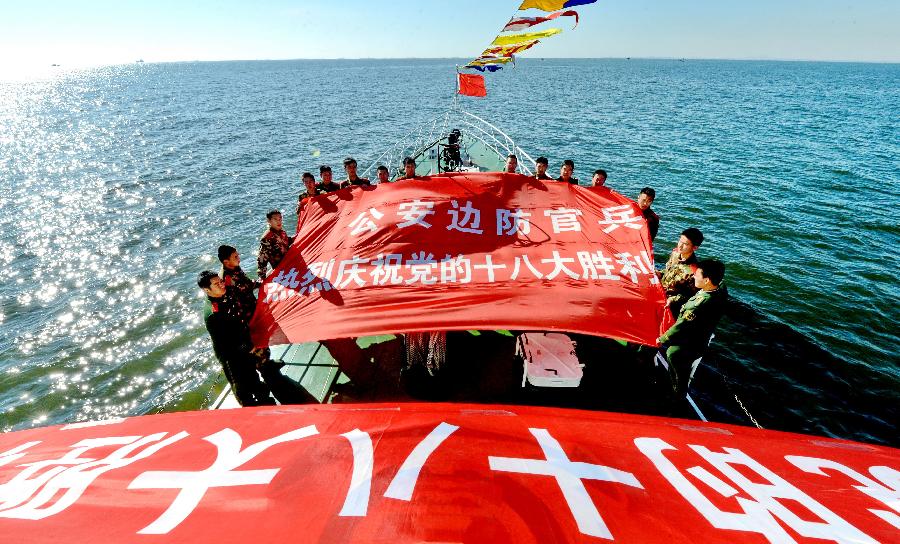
(464, 251)
(439, 473)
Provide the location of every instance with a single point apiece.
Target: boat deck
(482, 367)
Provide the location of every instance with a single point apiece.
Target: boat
(516, 443)
(487, 366)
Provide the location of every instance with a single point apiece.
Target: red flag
(462, 251)
(472, 85)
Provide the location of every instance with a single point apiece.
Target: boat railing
(419, 140)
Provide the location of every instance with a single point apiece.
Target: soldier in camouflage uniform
(678, 277)
(274, 244)
(686, 340)
(237, 284)
(310, 190)
(231, 342)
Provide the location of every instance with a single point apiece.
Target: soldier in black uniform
(384, 176)
(231, 342)
(644, 201)
(409, 168)
(540, 166)
(310, 190)
(687, 339)
(327, 186)
(512, 163)
(353, 180)
(565, 172)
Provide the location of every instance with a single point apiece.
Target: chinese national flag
(472, 85)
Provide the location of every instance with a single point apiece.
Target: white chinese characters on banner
(510, 223)
(883, 486)
(569, 476)
(415, 213)
(422, 268)
(48, 487)
(564, 220)
(620, 216)
(464, 218)
(365, 222)
(193, 485)
(766, 491)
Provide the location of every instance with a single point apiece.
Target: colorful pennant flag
(471, 85)
(487, 68)
(527, 37)
(521, 23)
(507, 50)
(483, 61)
(553, 5)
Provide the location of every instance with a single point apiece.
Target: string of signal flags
(511, 41)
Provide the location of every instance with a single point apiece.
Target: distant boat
(140, 60)
(54, 65)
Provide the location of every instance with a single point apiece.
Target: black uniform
(232, 345)
(573, 181)
(358, 182)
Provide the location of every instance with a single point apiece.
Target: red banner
(464, 251)
(472, 85)
(439, 473)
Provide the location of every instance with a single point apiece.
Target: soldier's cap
(324, 168)
(349, 160)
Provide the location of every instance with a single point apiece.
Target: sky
(97, 32)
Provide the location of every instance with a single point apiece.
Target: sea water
(117, 185)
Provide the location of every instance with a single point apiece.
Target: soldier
(311, 190)
(565, 172)
(327, 186)
(273, 245)
(687, 339)
(678, 277)
(231, 343)
(353, 180)
(644, 201)
(409, 168)
(599, 178)
(383, 175)
(540, 166)
(237, 284)
(512, 163)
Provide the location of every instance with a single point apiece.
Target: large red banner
(439, 473)
(464, 251)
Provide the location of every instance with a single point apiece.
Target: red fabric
(238, 476)
(614, 299)
(472, 85)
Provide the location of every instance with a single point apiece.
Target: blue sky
(107, 32)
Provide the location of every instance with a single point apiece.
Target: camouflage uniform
(678, 280)
(232, 345)
(239, 287)
(686, 340)
(272, 248)
(304, 195)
